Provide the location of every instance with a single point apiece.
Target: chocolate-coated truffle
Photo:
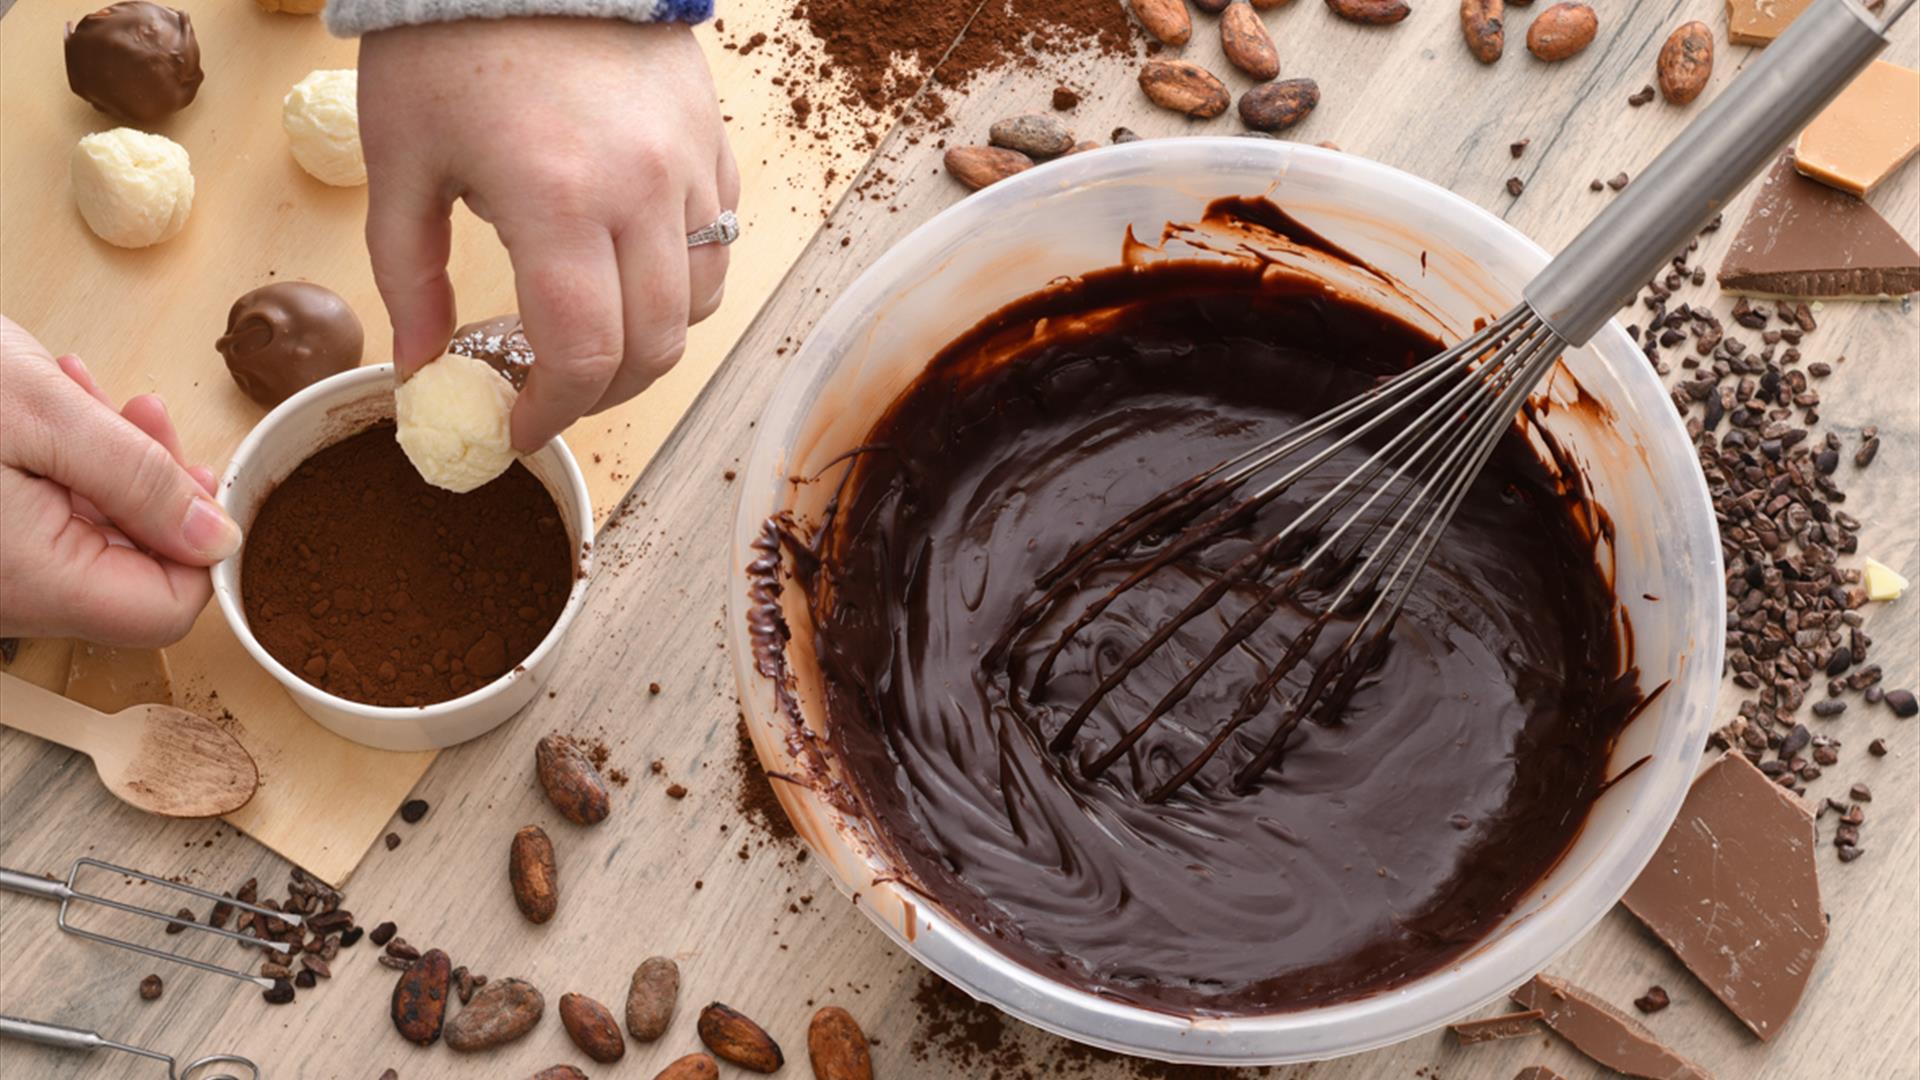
(284, 337)
(501, 341)
(135, 61)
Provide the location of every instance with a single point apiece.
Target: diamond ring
(724, 230)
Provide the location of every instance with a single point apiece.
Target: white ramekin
(1612, 417)
(315, 418)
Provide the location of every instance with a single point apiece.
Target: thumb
(409, 236)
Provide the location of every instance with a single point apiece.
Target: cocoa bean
(1033, 134)
(1246, 42)
(1686, 62)
(592, 1028)
(1166, 20)
(572, 783)
(150, 988)
(651, 997)
(978, 166)
(1561, 31)
(1483, 24)
(1372, 12)
(559, 1072)
(531, 871)
(837, 1047)
(732, 1037)
(1278, 105)
(500, 1013)
(1184, 87)
(691, 1067)
(1269, 5)
(420, 998)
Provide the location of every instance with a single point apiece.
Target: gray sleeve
(351, 18)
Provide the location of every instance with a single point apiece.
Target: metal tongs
(57, 1035)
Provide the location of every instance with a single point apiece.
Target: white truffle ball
(322, 117)
(134, 188)
(451, 419)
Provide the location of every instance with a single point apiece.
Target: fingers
(568, 285)
(119, 595)
(654, 280)
(409, 237)
(124, 473)
(707, 264)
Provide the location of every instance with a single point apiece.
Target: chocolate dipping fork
(1447, 412)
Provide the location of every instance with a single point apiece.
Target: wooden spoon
(155, 758)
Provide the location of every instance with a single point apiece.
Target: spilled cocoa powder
(753, 791)
(375, 586)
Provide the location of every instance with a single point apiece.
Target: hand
(107, 532)
(593, 147)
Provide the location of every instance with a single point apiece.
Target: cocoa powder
(371, 584)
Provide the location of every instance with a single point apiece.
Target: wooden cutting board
(145, 322)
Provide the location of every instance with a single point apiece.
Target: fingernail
(208, 530)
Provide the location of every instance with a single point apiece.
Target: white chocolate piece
(134, 188)
(322, 117)
(451, 419)
(1883, 582)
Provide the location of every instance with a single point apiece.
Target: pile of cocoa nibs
(1795, 625)
(313, 943)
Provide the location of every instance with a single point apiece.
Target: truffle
(502, 342)
(135, 61)
(321, 115)
(284, 337)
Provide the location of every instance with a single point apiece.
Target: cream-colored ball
(292, 7)
(134, 188)
(451, 419)
(322, 118)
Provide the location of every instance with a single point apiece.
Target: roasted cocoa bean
(500, 1013)
(1561, 31)
(837, 1047)
(1184, 87)
(1278, 105)
(732, 1037)
(592, 1028)
(1036, 135)
(1373, 12)
(1166, 20)
(573, 785)
(420, 998)
(979, 166)
(1246, 42)
(651, 998)
(1483, 24)
(691, 1067)
(1686, 62)
(559, 1072)
(532, 873)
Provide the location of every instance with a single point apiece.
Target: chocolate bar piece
(1804, 240)
(1603, 1032)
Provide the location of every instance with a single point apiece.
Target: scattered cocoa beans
(559, 1072)
(691, 1067)
(1215, 7)
(1373, 12)
(572, 783)
(979, 166)
(837, 1047)
(1686, 62)
(1166, 20)
(497, 1015)
(592, 1028)
(420, 997)
(1483, 23)
(651, 997)
(732, 1037)
(1036, 135)
(1246, 42)
(534, 876)
(1277, 105)
(1561, 31)
(1184, 87)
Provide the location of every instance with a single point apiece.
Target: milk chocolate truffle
(284, 337)
(502, 342)
(135, 61)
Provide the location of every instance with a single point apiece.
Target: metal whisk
(1366, 539)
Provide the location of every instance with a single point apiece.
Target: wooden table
(754, 924)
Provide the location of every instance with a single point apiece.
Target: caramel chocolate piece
(502, 342)
(1734, 893)
(1492, 1028)
(1758, 22)
(135, 61)
(1803, 239)
(1866, 133)
(1602, 1032)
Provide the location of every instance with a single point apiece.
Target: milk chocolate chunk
(135, 61)
(502, 342)
(1803, 239)
(1734, 893)
(284, 337)
(1604, 1033)
(1491, 1028)
(1866, 133)
(1537, 1072)
(1757, 22)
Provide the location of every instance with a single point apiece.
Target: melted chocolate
(1385, 842)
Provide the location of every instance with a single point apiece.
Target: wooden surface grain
(754, 924)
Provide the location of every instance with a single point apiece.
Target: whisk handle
(58, 1035)
(1692, 179)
